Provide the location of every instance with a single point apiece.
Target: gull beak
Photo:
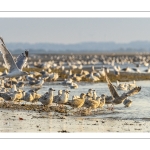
(87, 95)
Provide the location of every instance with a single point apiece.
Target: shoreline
(30, 121)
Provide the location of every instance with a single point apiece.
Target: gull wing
(2, 40)
(134, 91)
(8, 59)
(111, 88)
(22, 60)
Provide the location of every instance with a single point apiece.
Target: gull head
(103, 96)
(51, 89)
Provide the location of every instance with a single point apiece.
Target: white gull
(15, 68)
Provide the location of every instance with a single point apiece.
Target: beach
(30, 121)
(33, 118)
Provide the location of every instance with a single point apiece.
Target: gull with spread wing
(116, 98)
(15, 68)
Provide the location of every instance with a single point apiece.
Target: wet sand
(46, 122)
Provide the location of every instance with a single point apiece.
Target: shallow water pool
(139, 109)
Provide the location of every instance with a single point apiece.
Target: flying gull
(15, 68)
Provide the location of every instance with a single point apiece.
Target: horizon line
(80, 42)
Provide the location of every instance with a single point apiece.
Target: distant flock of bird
(14, 80)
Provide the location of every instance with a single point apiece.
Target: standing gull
(15, 68)
(55, 98)
(102, 101)
(47, 98)
(10, 97)
(78, 102)
(63, 98)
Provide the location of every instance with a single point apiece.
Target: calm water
(139, 109)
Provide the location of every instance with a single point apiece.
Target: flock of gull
(13, 82)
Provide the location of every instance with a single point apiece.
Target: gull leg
(11, 82)
(89, 110)
(108, 107)
(112, 107)
(4, 103)
(78, 110)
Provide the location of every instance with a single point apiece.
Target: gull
(2, 83)
(116, 99)
(102, 101)
(34, 96)
(92, 104)
(37, 83)
(89, 96)
(73, 85)
(78, 102)
(91, 77)
(37, 96)
(55, 98)
(121, 86)
(47, 98)
(3, 90)
(67, 82)
(12, 81)
(8, 96)
(67, 91)
(44, 73)
(19, 96)
(77, 77)
(20, 84)
(1, 100)
(136, 70)
(35, 74)
(13, 89)
(4, 73)
(63, 98)
(94, 95)
(75, 97)
(116, 70)
(28, 96)
(97, 74)
(132, 85)
(15, 68)
(102, 72)
(70, 74)
(127, 69)
(146, 64)
(53, 77)
(90, 92)
(147, 70)
(29, 78)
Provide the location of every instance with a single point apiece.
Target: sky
(74, 30)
